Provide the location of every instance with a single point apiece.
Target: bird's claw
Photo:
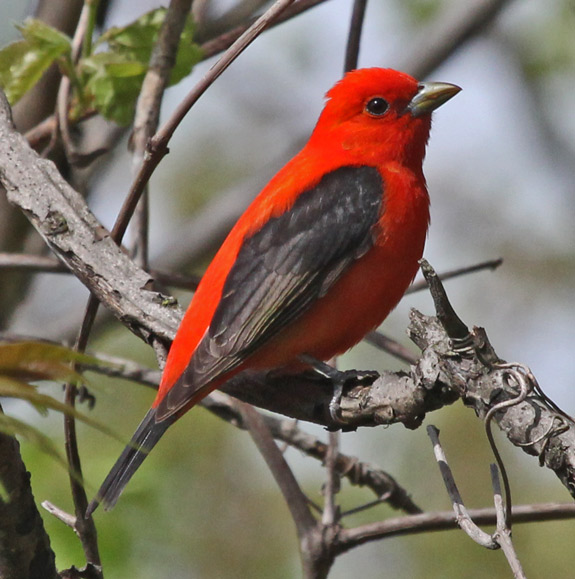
(339, 379)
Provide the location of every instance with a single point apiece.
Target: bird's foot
(339, 379)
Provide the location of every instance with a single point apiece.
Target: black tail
(144, 439)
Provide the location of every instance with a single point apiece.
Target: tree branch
(445, 520)
(25, 551)
(63, 219)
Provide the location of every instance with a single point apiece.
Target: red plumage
(320, 257)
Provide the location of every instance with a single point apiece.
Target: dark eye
(376, 106)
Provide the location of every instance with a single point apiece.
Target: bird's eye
(376, 106)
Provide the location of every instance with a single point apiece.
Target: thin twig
(67, 518)
(84, 28)
(525, 388)
(354, 36)
(85, 529)
(147, 116)
(47, 264)
(295, 499)
(356, 472)
(331, 485)
(503, 532)
(438, 42)
(224, 41)
(483, 265)
(462, 515)
(447, 520)
(390, 346)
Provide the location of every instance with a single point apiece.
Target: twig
(446, 520)
(83, 29)
(295, 498)
(358, 473)
(440, 40)
(524, 390)
(46, 264)
(490, 264)
(331, 486)
(354, 36)
(462, 516)
(502, 536)
(67, 518)
(390, 346)
(147, 116)
(85, 529)
(224, 41)
(503, 531)
(454, 326)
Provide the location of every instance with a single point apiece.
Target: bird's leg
(339, 379)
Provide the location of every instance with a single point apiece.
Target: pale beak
(430, 96)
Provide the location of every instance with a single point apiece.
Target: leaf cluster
(31, 361)
(107, 79)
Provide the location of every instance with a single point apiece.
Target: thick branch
(63, 219)
(483, 380)
(25, 551)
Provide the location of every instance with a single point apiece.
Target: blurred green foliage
(108, 80)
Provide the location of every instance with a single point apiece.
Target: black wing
(281, 269)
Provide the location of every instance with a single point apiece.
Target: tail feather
(145, 438)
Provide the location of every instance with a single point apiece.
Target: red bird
(320, 257)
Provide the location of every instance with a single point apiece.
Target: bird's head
(380, 113)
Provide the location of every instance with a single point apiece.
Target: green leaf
(114, 83)
(25, 361)
(10, 388)
(22, 63)
(114, 77)
(136, 40)
(29, 360)
(21, 362)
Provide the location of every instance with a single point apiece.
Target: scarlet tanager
(320, 257)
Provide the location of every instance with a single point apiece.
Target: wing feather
(292, 261)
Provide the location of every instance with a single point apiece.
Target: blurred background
(501, 174)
